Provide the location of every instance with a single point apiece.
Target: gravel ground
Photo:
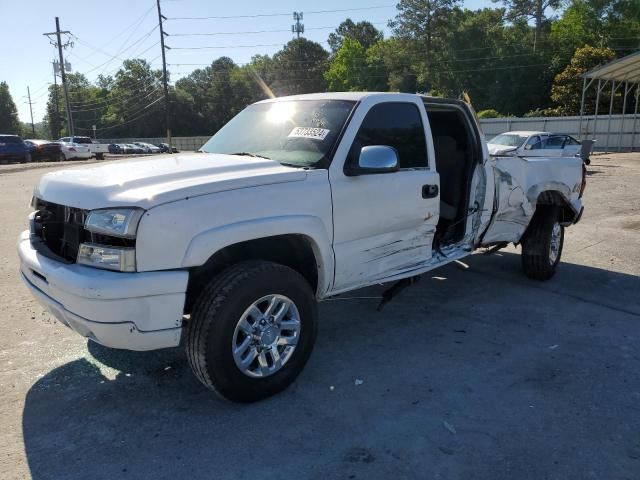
(475, 373)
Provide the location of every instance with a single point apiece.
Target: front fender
(207, 243)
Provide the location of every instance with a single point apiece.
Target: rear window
(82, 140)
(10, 139)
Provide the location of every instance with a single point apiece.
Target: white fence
(617, 133)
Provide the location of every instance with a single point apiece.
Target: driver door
(384, 222)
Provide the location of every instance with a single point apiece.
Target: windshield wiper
(250, 154)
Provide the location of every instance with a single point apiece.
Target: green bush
(489, 113)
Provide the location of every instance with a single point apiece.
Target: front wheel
(252, 330)
(542, 244)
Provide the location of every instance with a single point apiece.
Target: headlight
(116, 222)
(122, 259)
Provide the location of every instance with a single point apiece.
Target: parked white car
(73, 151)
(296, 199)
(148, 147)
(534, 144)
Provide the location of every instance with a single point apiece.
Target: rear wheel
(542, 244)
(252, 330)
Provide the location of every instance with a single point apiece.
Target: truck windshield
(292, 132)
(508, 140)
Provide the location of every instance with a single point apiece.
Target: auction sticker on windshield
(309, 132)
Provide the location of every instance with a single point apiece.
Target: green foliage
(514, 60)
(425, 26)
(543, 112)
(9, 122)
(362, 32)
(348, 68)
(529, 10)
(489, 113)
(567, 85)
(299, 68)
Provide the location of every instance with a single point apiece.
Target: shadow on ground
(475, 372)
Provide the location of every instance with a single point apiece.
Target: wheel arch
(556, 197)
(306, 249)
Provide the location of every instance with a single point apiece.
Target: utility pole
(33, 127)
(58, 43)
(297, 27)
(55, 96)
(167, 107)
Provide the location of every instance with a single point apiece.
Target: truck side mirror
(374, 159)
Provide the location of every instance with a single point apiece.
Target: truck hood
(153, 181)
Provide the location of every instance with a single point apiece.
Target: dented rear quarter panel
(518, 183)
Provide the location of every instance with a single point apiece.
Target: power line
(135, 24)
(130, 120)
(228, 46)
(224, 17)
(212, 34)
(122, 101)
(120, 52)
(142, 84)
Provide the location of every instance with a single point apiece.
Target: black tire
(537, 261)
(209, 332)
(26, 158)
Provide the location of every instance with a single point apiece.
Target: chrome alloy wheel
(266, 336)
(554, 245)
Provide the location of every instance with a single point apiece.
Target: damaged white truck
(296, 199)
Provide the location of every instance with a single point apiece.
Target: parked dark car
(164, 148)
(13, 148)
(44, 150)
(115, 148)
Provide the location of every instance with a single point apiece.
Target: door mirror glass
(375, 159)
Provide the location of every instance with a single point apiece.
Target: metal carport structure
(623, 72)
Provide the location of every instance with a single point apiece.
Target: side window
(533, 143)
(555, 142)
(396, 125)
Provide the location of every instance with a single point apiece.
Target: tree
(299, 68)
(424, 26)
(9, 122)
(54, 107)
(597, 22)
(530, 10)
(391, 67)
(363, 32)
(348, 68)
(567, 85)
(135, 94)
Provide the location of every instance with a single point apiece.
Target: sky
(105, 33)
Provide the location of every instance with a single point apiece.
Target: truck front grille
(60, 229)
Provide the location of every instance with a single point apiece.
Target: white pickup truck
(296, 199)
(97, 149)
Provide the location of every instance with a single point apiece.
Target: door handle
(429, 191)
